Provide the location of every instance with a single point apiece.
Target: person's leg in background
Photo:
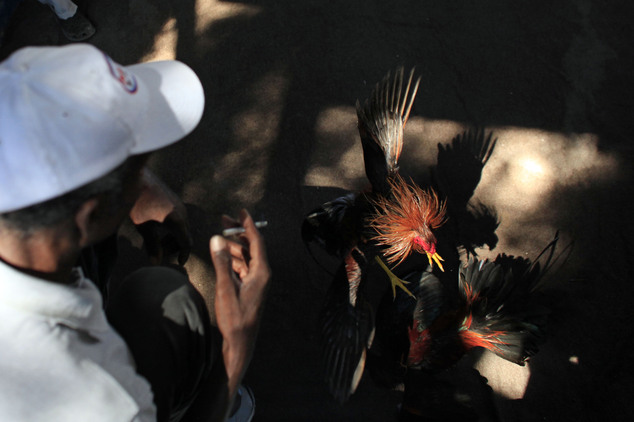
(7, 7)
(75, 25)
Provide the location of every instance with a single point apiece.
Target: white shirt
(60, 360)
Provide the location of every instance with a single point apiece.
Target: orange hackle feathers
(409, 213)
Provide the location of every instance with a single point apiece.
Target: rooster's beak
(435, 258)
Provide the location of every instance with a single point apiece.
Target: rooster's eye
(420, 242)
(428, 247)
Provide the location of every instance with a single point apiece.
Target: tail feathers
(529, 274)
(500, 314)
(514, 343)
(347, 333)
(482, 286)
(381, 121)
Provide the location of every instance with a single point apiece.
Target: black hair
(54, 211)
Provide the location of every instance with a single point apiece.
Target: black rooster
(392, 224)
(392, 212)
(498, 308)
(391, 221)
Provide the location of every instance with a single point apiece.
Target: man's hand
(160, 215)
(242, 276)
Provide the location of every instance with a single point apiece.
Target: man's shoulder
(84, 393)
(53, 372)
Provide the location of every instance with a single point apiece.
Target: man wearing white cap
(76, 129)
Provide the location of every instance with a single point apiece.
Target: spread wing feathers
(381, 121)
(334, 226)
(459, 166)
(347, 332)
(501, 314)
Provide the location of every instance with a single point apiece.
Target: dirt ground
(552, 80)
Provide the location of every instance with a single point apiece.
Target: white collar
(78, 306)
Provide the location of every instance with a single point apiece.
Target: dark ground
(552, 79)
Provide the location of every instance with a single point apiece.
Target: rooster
(494, 305)
(390, 222)
(402, 212)
(495, 311)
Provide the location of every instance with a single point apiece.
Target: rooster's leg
(394, 280)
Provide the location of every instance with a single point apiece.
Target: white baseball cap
(70, 114)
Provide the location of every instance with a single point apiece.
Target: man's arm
(159, 210)
(242, 277)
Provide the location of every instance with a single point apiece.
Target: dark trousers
(6, 10)
(165, 323)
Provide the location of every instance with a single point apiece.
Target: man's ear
(84, 218)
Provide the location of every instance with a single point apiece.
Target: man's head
(72, 120)
(104, 202)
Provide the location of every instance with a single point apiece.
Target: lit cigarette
(237, 230)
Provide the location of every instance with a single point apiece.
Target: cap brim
(175, 106)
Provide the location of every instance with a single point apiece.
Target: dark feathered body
(497, 309)
(492, 305)
(338, 225)
(349, 228)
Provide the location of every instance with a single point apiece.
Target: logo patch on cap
(125, 78)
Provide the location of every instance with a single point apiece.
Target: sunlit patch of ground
(254, 130)
(337, 159)
(505, 378)
(526, 169)
(208, 13)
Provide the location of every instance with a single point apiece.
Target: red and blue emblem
(125, 78)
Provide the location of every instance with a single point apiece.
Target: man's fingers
(225, 285)
(256, 243)
(238, 262)
(257, 250)
(247, 221)
(238, 258)
(237, 250)
(247, 251)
